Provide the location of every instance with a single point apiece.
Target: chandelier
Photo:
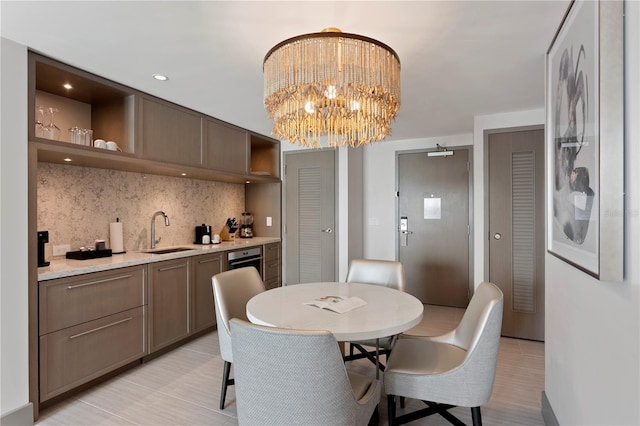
(341, 85)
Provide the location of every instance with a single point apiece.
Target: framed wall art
(585, 139)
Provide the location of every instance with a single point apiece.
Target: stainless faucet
(153, 227)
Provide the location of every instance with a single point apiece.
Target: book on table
(337, 304)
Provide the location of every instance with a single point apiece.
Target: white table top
(387, 312)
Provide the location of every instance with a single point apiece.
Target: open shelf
(92, 102)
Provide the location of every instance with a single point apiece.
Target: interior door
(434, 228)
(310, 216)
(516, 229)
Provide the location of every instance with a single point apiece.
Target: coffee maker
(43, 238)
(246, 222)
(203, 231)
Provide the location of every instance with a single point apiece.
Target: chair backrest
(289, 377)
(388, 273)
(479, 333)
(486, 300)
(231, 292)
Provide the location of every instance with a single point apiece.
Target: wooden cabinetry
(272, 265)
(155, 136)
(204, 267)
(89, 325)
(264, 156)
(168, 302)
(226, 147)
(92, 102)
(170, 133)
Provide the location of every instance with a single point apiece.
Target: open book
(337, 304)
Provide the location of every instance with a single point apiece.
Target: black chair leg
(225, 383)
(391, 409)
(350, 349)
(476, 417)
(402, 402)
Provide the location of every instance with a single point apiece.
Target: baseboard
(547, 412)
(22, 416)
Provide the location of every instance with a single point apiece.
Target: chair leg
(225, 383)
(391, 409)
(476, 417)
(350, 349)
(402, 402)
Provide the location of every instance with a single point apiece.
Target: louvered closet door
(516, 229)
(310, 216)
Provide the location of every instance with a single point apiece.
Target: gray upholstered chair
(454, 369)
(297, 377)
(387, 273)
(231, 292)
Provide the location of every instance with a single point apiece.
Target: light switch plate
(61, 250)
(269, 221)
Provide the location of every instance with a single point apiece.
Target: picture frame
(584, 134)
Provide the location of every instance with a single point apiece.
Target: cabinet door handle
(168, 268)
(106, 280)
(217, 259)
(99, 328)
(273, 265)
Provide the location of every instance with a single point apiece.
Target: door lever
(328, 230)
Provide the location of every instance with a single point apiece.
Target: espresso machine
(246, 225)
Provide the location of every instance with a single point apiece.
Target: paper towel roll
(115, 237)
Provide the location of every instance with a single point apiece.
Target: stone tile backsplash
(76, 205)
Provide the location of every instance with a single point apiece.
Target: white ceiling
(459, 58)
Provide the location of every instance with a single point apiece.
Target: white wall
(592, 327)
(14, 387)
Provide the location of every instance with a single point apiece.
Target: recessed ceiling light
(160, 77)
(68, 160)
(183, 174)
(67, 86)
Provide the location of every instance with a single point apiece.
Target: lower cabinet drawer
(271, 270)
(75, 355)
(66, 302)
(272, 283)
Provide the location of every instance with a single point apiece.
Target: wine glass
(40, 127)
(52, 131)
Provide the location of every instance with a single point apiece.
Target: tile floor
(182, 387)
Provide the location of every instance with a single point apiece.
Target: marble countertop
(60, 268)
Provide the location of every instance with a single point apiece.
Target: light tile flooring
(182, 387)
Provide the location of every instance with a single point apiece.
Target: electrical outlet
(269, 221)
(61, 250)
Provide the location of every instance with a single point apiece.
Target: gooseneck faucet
(153, 227)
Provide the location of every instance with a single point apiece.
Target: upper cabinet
(65, 103)
(170, 133)
(226, 147)
(139, 132)
(264, 157)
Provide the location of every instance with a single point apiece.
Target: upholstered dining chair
(387, 273)
(454, 369)
(297, 377)
(231, 292)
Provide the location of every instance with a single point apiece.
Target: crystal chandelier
(341, 85)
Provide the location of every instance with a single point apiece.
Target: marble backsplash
(76, 205)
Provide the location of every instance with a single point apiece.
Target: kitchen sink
(167, 250)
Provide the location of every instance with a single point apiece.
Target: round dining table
(387, 311)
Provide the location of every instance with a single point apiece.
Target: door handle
(497, 236)
(406, 232)
(327, 230)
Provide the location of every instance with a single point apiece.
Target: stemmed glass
(40, 127)
(52, 131)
